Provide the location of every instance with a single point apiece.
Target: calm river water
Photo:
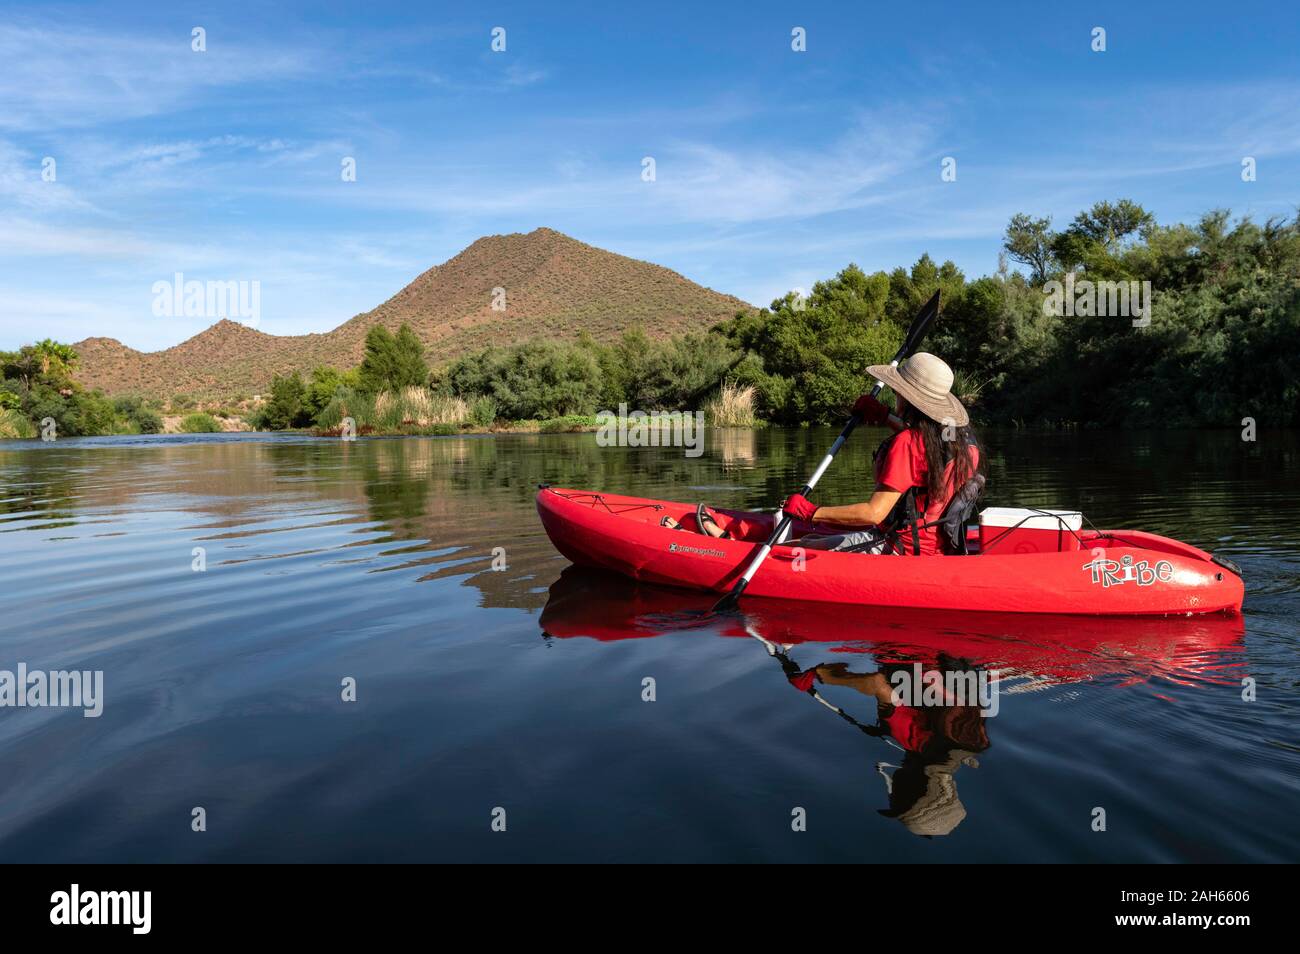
(517, 692)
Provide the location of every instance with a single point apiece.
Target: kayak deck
(1121, 572)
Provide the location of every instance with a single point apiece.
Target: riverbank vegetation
(200, 424)
(1215, 338)
(37, 390)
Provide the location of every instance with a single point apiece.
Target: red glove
(870, 410)
(804, 681)
(799, 507)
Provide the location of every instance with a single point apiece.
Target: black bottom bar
(332, 903)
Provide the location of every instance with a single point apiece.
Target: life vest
(905, 522)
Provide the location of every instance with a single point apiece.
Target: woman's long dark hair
(938, 452)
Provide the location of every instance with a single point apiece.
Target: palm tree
(52, 356)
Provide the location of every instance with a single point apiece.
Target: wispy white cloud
(695, 181)
(310, 280)
(518, 74)
(61, 76)
(1152, 133)
(23, 182)
(27, 237)
(125, 166)
(705, 182)
(76, 315)
(481, 78)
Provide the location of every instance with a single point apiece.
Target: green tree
(539, 379)
(324, 382)
(56, 360)
(1112, 224)
(391, 361)
(1098, 237)
(809, 357)
(286, 406)
(1029, 241)
(46, 361)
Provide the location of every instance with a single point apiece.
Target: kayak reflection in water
(936, 739)
(928, 474)
(1025, 653)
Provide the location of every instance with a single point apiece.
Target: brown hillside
(556, 287)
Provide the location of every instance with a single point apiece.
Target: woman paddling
(932, 456)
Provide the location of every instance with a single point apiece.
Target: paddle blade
(727, 604)
(919, 325)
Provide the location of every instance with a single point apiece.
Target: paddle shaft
(914, 335)
(781, 655)
(783, 520)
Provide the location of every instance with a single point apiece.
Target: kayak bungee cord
(782, 524)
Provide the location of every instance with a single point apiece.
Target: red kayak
(1090, 572)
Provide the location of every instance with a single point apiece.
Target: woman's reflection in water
(936, 739)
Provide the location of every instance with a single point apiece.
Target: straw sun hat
(926, 382)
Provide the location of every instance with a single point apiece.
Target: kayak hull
(623, 534)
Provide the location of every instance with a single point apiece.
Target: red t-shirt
(903, 466)
(908, 728)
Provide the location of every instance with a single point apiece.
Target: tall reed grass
(13, 425)
(735, 406)
(412, 407)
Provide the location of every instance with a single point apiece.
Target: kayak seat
(958, 517)
(954, 522)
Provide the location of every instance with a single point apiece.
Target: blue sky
(773, 168)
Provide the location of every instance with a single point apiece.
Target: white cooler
(1005, 530)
